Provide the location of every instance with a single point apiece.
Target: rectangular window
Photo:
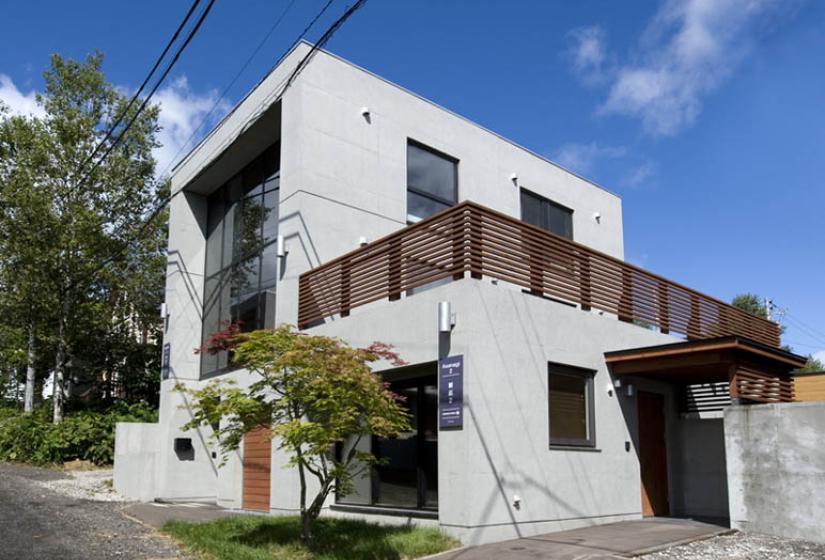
(242, 230)
(432, 181)
(571, 407)
(546, 214)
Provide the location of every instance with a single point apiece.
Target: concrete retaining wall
(776, 469)
(136, 450)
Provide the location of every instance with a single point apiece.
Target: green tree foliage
(314, 393)
(751, 303)
(75, 279)
(87, 435)
(811, 366)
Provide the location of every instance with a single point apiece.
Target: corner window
(546, 214)
(242, 229)
(432, 181)
(570, 403)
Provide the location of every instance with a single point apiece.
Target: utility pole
(768, 306)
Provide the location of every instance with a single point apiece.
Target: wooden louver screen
(469, 238)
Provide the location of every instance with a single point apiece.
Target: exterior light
(514, 178)
(598, 217)
(630, 390)
(365, 111)
(281, 249)
(362, 241)
(445, 317)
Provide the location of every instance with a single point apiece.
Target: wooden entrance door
(257, 459)
(653, 454)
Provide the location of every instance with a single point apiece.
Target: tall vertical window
(241, 261)
(570, 404)
(546, 214)
(432, 181)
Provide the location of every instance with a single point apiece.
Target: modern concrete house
(584, 389)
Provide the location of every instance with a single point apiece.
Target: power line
(246, 64)
(327, 35)
(146, 100)
(142, 86)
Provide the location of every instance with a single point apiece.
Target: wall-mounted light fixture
(446, 319)
(630, 390)
(281, 250)
(514, 178)
(362, 241)
(598, 217)
(365, 111)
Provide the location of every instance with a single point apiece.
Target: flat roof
(703, 360)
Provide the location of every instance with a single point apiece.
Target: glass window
(546, 214)
(570, 404)
(241, 266)
(432, 181)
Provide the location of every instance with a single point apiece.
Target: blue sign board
(451, 392)
(164, 362)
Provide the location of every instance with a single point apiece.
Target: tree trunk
(28, 395)
(60, 360)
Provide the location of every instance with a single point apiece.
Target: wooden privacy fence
(469, 238)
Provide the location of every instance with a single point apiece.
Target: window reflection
(241, 265)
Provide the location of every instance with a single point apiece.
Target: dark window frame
(589, 376)
(422, 193)
(545, 203)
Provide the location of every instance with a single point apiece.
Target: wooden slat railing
(469, 238)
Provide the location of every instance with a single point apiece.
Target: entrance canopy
(755, 372)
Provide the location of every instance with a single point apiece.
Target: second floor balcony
(471, 240)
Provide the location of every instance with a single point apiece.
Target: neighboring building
(809, 386)
(583, 403)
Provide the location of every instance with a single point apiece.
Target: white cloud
(582, 158)
(181, 112)
(587, 53)
(640, 175)
(686, 52)
(820, 356)
(18, 103)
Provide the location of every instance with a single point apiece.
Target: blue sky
(706, 116)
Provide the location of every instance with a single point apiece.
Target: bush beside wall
(86, 435)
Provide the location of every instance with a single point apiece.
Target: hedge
(86, 435)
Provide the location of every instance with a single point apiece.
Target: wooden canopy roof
(755, 371)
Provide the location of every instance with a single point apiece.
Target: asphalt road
(40, 524)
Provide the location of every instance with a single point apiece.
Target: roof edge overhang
(701, 360)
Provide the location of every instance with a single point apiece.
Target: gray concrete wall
(507, 339)
(135, 468)
(700, 485)
(776, 469)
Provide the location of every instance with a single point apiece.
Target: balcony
(469, 239)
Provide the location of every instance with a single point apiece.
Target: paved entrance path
(157, 514)
(601, 542)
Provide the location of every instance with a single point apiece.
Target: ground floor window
(570, 405)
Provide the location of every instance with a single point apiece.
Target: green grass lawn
(248, 537)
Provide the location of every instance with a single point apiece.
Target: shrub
(85, 435)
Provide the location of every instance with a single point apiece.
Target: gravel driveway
(742, 546)
(36, 522)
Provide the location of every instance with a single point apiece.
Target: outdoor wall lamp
(514, 178)
(446, 318)
(598, 217)
(362, 241)
(630, 390)
(281, 250)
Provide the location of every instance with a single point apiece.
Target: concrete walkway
(602, 542)
(156, 514)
